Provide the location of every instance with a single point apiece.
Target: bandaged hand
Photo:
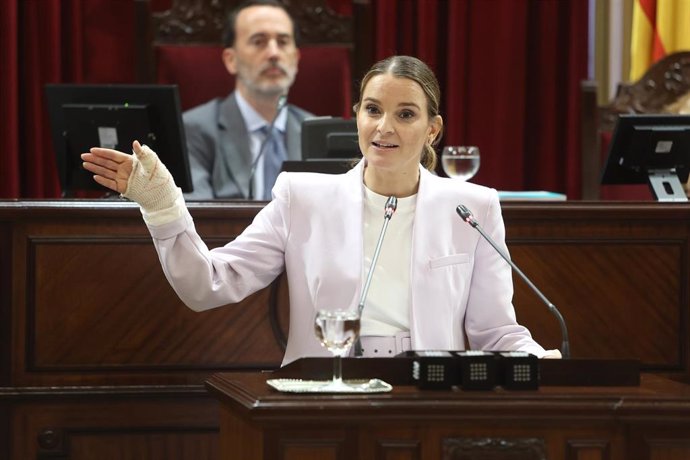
(150, 183)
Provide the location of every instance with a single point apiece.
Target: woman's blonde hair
(413, 69)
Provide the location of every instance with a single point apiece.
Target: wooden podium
(649, 421)
(99, 355)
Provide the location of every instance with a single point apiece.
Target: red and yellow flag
(659, 27)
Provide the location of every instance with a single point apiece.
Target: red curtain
(509, 71)
(9, 101)
(53, 41)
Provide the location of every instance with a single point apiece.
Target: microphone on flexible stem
(467, 216)
(389, 209)
(282, 101)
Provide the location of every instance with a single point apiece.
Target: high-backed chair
(183, 45)
(665, 81)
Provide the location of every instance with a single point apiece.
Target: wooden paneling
(90, 328)
(92, 306)
(588, 449)
(648, 422)
(619, 275)
(98, 329)
(6, 280)
(630, 314)
(116, 427)
(660, 443)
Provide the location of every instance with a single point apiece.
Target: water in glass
(337, 330)
(460, 162)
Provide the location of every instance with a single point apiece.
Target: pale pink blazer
(460, 288)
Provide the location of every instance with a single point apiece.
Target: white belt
(385, 346)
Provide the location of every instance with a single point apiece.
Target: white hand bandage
(150, 184)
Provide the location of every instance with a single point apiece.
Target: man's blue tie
(273, 159)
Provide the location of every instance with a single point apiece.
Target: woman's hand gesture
(141, 177)
(111, 168)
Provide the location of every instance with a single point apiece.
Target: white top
(387, 306)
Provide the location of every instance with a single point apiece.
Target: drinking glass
(460, 162)
(337, 330)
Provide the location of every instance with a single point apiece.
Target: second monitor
(329, 138)
(653, 149)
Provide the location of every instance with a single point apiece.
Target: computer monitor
(329, 137)
(323, 166)
(113, 116)
(653, 149)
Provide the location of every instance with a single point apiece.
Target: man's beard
(270, 88)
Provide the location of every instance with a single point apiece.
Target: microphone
(389, 210)
(282, 102)
(467, 216)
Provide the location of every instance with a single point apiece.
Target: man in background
(232, 153)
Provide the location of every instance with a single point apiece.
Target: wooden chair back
(183, 46)
(664, 83)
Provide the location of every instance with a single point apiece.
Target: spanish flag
(659, 27)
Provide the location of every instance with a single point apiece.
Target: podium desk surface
(645, 422)
(249, 393)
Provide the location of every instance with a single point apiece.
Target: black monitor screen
(113, 116)
(323, 166)
(329, 137)
(652, 149)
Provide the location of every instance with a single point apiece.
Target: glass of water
(337, 330)
(460, 162)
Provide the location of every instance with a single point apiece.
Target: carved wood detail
(192, 21)
(665, 83)
(51, 441)
(661, 85)
(494, 449)
(319, 24)
(203, 21)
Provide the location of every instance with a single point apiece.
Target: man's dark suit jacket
(218, 148)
